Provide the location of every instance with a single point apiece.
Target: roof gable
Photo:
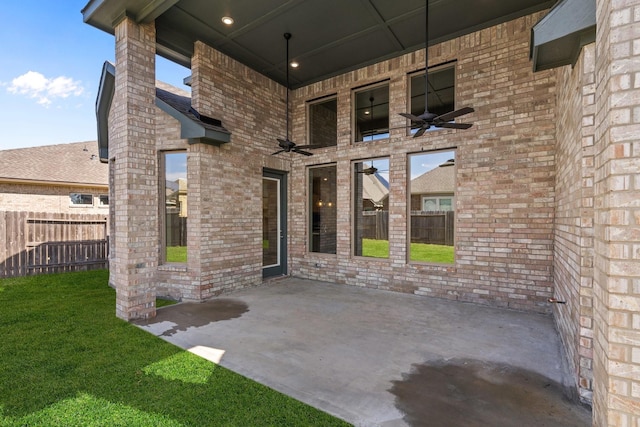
(173, 101)
(74, 163)
(437, 180)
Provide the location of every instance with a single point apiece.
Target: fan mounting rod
(287, 36)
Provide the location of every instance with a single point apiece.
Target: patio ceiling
(330, 37)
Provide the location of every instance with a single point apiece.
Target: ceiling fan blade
(277, 152)
(453, 125)
(411, 117)
(421, 131)
(305, 153)
(369, 171)
(309, 146)
(453, 114)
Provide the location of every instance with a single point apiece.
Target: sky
(51, 65)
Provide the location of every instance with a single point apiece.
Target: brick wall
(505, 175)
(616, 286)
(573, 244)
(226, 196)
(49, 198)
(135, 184)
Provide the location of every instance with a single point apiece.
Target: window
(322, 198)
(77, 199)
(437, 203)
(432, 206)
(371, 208)
(103, 200)
(372, 113)
(175, 206)
(441, 94)
(323, 122)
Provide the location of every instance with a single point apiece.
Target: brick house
(61, 178)
(434, 190)
(546, 198)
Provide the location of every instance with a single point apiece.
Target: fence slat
(33, 243)
(426, 227)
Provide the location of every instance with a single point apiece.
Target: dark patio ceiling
(330, 37)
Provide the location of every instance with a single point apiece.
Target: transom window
(372, 112)
(441, 93)
(323, 122)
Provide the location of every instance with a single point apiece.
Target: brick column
(616, 396)
(135, 181)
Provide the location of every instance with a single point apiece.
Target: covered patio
(379, 358)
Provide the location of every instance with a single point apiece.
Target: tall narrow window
(371, 208)
(372, 113)
(322, 200)
(323, 122)
(441, 93)
(175, 197)
(432, 206)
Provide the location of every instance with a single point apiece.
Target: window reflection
(322, 191)
(176, 213)
(371, 208)
(432, 202)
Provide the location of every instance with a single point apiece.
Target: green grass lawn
(66, 360)
(419, 251)
(176, 254)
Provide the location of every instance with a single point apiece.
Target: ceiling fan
(286, 145)
(371, 170)
(428, 119)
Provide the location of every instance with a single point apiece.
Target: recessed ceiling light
(227, 20)
(294, 64)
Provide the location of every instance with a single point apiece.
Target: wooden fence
(35, 243)
(426, 227)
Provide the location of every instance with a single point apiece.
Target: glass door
(274, 224)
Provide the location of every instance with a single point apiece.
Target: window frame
(357, 216)
(163, 202)
(449, 65)
(100, 204)
(310, 105)
(330, 204)
(354, 111)
(438, 199)
(83, 196)
(449, 152)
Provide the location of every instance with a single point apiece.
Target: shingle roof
(62, 163)
(438, 180)
(373, 188)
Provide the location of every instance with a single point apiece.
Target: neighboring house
(375, 192)
(62, 178)
(434, 190)
(546, 194)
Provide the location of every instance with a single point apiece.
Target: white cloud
(43, 89)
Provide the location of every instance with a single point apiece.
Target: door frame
(281, 269)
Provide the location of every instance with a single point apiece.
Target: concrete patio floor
(377, 358)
